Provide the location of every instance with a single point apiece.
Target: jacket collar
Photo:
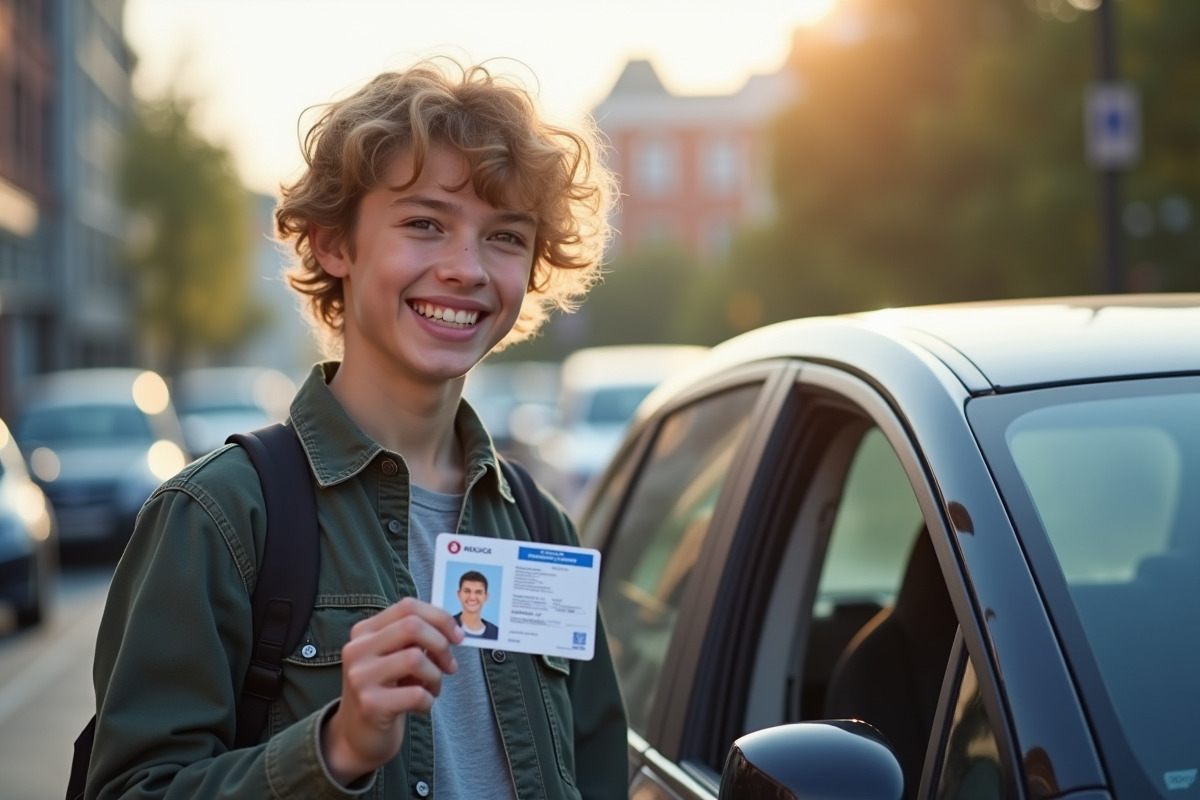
(338, 449)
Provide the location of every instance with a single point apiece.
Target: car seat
(890, 674)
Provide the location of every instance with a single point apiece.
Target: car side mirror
(828, 760)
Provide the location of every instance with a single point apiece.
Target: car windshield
(84, 425)
(615, 405)
(1104, 473)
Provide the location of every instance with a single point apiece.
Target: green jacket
(174, 643)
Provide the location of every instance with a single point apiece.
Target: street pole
(1111, 277)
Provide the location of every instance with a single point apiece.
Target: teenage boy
(439, 218)
(473, 595)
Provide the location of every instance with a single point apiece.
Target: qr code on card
(580, 639)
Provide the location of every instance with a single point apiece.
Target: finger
(388, 702)
(411, 606)
(405, 632)
(410, 667)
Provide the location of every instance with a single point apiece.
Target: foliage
(938, 155)
(638, 302)
(191, 250)
(1161, 57)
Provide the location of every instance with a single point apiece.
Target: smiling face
(434, 278)
(473, 595)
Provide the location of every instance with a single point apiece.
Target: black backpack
(287, 577)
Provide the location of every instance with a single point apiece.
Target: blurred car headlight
(44, 463)
(164, 459)
(31, 507)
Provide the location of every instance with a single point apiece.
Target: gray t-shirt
(465, 767)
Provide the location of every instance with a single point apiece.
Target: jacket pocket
(312, 673)
(553, 672)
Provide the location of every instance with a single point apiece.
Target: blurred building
(65, 96)
(692, 168)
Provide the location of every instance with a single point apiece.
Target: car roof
(251, 385)
(998, 345)
(82, 386)
(621, 365)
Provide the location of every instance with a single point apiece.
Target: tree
(639, 301)
(1159, 55)
(191, 250)
(939, 156)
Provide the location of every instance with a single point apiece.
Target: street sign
(1112, 125)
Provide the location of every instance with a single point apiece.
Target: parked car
(505, 393)
(600, 388)
(940, 552)
(28, 538)
(98, 442)
(213, 402)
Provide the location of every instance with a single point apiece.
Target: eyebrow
(507, 216)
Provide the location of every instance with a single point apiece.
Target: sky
(253, 66)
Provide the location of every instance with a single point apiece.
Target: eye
(509, 237)
(421, 224)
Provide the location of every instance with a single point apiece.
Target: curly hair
(515, 159)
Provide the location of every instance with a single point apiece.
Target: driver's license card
(526, 597)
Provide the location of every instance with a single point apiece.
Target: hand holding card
(521, 596)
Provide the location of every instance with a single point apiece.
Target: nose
(463, 264)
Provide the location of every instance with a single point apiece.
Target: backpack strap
(284, 594)
(286, 588)
(529, 500)
(80, 756)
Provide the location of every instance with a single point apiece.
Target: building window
(656, 171)
(724, 166)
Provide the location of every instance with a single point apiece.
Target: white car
(600, 390)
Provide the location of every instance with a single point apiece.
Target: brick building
(692, 168)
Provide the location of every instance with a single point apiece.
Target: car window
(859, 585)
(615, 405)
(1092, 483)
(971, 765)
(84, 424)
(876, 522)
(882, 624)
(1110, 480)
(660, 534)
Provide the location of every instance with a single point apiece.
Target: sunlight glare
(809, 11)
(150, 393)
(44, 463)
(165, 459)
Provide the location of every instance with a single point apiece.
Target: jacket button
(389, 467)
(499, 656)
(421, 788)
(394, 526)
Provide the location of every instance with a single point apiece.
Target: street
(46, 687)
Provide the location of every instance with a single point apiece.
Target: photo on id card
(526, 597)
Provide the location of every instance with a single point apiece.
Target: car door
(655, 518)
(828, 597)
(845, 600)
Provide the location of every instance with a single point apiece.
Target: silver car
(28, 538)
(98, 442)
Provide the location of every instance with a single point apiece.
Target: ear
(329, 249)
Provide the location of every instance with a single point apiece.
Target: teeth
(448, 315)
